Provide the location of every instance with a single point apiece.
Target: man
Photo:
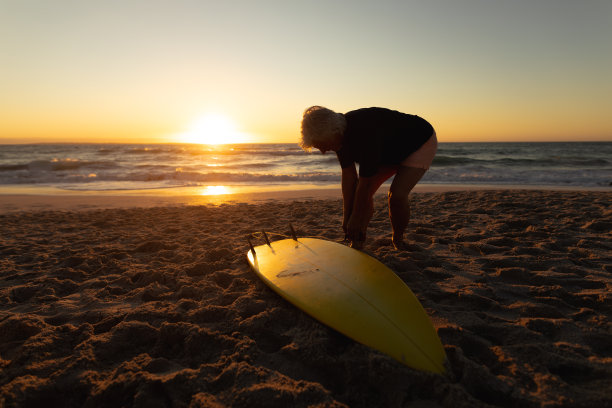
(384, 143)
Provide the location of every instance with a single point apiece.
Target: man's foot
(400, 245)
(357, 244)
(398, 241)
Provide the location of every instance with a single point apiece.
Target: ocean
(129, 167)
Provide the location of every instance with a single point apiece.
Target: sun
(213, 129)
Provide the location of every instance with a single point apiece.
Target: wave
(204, 150)
(578, 162)
(155, 177)
(256, 178)
(156, 166)
(484, 175)
(440, 160)
(58, 165)
(13, 167)
(179, 176)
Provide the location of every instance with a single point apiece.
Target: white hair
(320, 124)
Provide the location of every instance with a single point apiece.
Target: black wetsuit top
(376, 137)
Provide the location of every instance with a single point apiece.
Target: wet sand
(156, 305)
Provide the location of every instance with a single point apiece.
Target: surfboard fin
(293, 232)
(251, 246)
(266, 238)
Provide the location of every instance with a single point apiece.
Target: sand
(157, 307)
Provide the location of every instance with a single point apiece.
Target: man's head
(322, 129)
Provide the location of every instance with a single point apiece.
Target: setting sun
(213, 129)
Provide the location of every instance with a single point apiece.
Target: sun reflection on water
(215, 190)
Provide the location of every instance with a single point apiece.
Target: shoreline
(18, 198)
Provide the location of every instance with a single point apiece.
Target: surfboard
(352, 293)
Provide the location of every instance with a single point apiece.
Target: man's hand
(356, 233)
(349, 185)
(363, 205)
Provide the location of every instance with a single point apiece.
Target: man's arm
(363, 207)
(349, 185)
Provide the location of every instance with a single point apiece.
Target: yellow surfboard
(353, 293)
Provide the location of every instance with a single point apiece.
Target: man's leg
(373, 185)
(399, 205)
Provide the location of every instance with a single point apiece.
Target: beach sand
(157, 306)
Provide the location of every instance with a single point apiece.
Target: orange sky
(141, 71)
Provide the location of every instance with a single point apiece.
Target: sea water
(117, 167)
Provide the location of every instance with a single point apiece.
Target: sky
(157, 71)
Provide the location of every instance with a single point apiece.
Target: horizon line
(272, 143)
